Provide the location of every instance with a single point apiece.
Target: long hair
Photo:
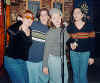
(39, 12)
(72, 20)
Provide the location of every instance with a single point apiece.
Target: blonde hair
(54, 11)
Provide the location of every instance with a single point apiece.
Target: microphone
(65, 24)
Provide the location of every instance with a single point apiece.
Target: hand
(91, 61)
(45, 70)
(73, 45)
(65, 24)
(27, 33)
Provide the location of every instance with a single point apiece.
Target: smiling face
(56, 19)
(77, 14)
(44, 17)
(27, 19)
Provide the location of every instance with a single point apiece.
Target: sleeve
(14, 28)
(92, 42)
(34, 25)
(67, 38)
(11, 31)
(28, 41)
(46, 52)
(70, 31)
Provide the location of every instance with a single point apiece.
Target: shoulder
(34, 24)
(50, 31)
(70, 28)
(38, 25)
(90, 26)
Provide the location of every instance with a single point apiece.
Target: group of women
(79, 34)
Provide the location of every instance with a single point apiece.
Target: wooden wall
(1, 34)
(19, 8)
(1, 46)
(3, 13)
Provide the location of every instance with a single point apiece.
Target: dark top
(36, 51)
(85, 38)
(19, 43)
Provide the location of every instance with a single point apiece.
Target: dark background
(96, 22)
(94, 70)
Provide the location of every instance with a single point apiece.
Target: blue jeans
(16, 69)
(35, 73)
(54, 65)
(79, 61)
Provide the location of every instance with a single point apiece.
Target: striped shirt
(85, 38)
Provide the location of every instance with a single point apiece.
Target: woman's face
(27, 20)
(77, 14)
(44, 17)
(56, 19)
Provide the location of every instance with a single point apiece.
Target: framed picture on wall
(34, 6)
(58, 5)
(14, 2)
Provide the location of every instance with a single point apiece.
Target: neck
(44, 23)
(79, 21)
(25, 28)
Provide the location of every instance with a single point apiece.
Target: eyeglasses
(29, 17)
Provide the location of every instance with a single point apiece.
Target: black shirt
(85, 38)
(19, 44)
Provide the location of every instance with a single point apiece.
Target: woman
(53, 49)
(82, 46)
(36, 51)
(20, 41)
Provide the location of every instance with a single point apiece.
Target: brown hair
(72, 18)
(43, 9)
(30, 12)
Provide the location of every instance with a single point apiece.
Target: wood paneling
(1, 14)
(1, 34)
(7, 24)
(45, 4)
(8, 16)
(68, 6)
(16, 9)
(1, 45)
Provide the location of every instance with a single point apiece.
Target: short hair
(30, 12)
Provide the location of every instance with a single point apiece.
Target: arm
(14, 28)
(92, 45)
(46, 54)
(71, 42)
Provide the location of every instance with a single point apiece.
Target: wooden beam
(26, 4)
